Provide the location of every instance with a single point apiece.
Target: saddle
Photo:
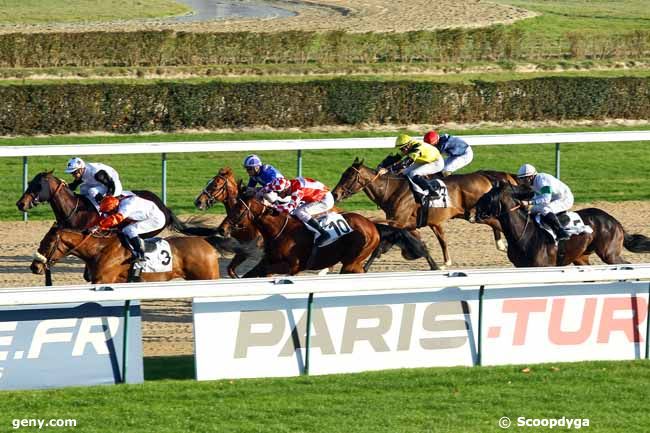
(570, 221)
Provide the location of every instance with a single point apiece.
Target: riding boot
(324, 236)
(551, 219)
(137, 248)
(420, 181)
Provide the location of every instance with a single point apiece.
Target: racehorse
(289, 245)
(224, 188)
(530, 245)
(72, 210)
(109, 260)
(394, 196)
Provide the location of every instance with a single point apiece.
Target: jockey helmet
(431, 137)
(252, 161)
(526, 170)
(402, 141)
(108, 204)
(280, 184)
(75, 164)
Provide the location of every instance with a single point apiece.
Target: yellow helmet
(402, 140)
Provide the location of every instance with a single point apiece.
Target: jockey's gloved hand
(98, 197)
(93, 229)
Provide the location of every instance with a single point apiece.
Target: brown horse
(109, 260)
(72, 210)
(223, 188)
(394, 196)
(530, 245)
(288, 244)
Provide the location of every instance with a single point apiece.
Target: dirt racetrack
(167, 325)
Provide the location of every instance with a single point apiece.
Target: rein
(211, 199)
(47, 259)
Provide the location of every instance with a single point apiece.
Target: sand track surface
(167, 325)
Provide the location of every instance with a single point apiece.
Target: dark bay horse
(223, 188)
(72, 210)
(394, 196)
(288, 244)
(109, 261)
(529, 245)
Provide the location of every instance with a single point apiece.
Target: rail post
(479, 344)
(25, 180)
(310, 302)
(299, 164)
(164, 178)
(557, 160)
(125, 339)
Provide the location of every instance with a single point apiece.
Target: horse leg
(353, 268)
(610, 252)
(582, 260)
(498, 240)
(442, 240)
(375, 255)
(232, 266)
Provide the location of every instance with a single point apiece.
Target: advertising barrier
(43, 346)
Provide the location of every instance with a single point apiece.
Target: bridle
(357, 180)
(36, 201)
(500, 212)
(236, 223)
(224, 188)
(47, 259)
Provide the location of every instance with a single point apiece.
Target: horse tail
(411, 246)
(636, 243)
(231, 245)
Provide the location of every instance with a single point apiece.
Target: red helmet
(431, 137)
(108, 204)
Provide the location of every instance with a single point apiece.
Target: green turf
(58, 11)
(612, 395)
(594, 171)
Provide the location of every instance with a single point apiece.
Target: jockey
(142, 216)
(307, 197)
(551, 197)
(96, 180)
(417, 159)
(459, 153)
(260, 173)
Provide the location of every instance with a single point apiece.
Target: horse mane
(226, 171)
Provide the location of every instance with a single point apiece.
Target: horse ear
(361, 163)
(51, 171)
(356, 161)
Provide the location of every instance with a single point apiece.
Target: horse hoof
(323, 272)
(448, 263)
(441, 268)
(501, 245)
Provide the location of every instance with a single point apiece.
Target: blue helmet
(252, 161)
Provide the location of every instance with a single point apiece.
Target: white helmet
(75, 164)
(526, 170)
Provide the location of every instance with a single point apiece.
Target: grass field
(596, 171)
(612, 395)
(43, 12)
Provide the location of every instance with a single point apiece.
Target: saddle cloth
(158, 256)
(334, 224)
(571, 222)
(443, 194)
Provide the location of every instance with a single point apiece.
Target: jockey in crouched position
(142, 216)
(552, 196)
(97, 180)
(416, 160)
(303, 198)
(262, 174)
(459, 153)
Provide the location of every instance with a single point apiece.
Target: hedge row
(168, 48)
(168, 106)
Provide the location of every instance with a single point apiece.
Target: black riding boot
(420, 181)
(324, 236)
(137, 248)
(551, 219)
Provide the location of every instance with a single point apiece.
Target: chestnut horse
(530, 245)
(289, 245)
(223, 188)
(109, 260)
(394, 196)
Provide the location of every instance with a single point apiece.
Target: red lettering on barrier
(630, 326)
(522, 308)
(565, 338)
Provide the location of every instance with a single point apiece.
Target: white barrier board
(265, 336)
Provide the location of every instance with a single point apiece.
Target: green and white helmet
(75, 164)
(526, 170)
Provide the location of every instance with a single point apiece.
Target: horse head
(51, 249)
(502, 198)
(354, 179)
(246, 210)
(221, 188)
(40, 189)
